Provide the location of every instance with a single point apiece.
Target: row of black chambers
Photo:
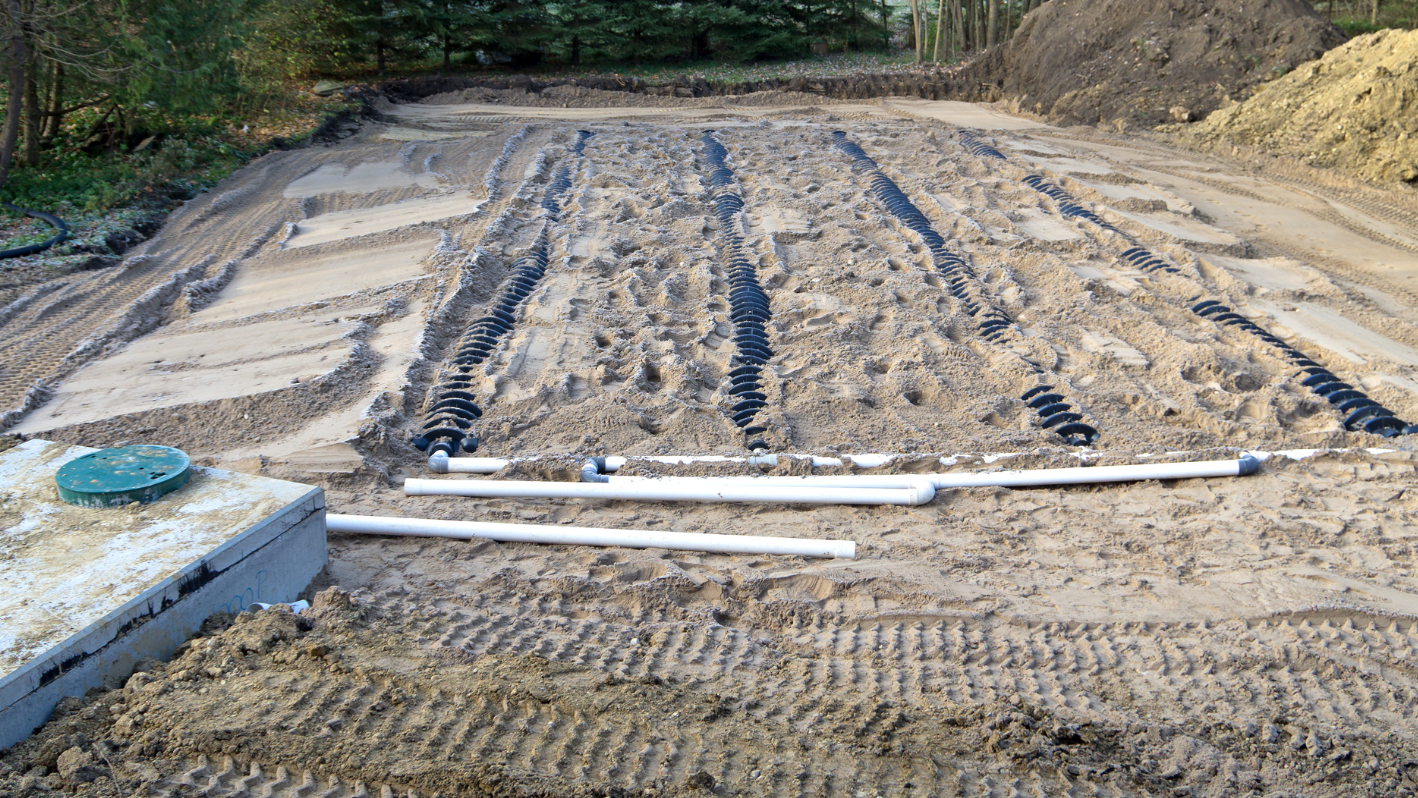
(995, 324)
(1361, 412)
(1056, 413)
(748, 302)
(1068, 206)
(452, 407)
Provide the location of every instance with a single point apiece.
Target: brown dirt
(1355, 110)
(1203, 638)
(1090, 61)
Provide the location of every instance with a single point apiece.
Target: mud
(1219, 637)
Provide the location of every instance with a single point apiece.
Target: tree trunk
(55, 118)
(959, 14)
(575, 49)
(939, 18)
(993, 35)
(977, 14)
(447, 54)
(916, 28)
(32, 119)
(46, 99)
(885, 29)
(19, 54)
(1374, 13)
(379, 55)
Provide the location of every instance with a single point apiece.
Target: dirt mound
(1356, 110)
(1085, 61)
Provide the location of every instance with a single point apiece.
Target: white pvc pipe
(589, 536)
(1007, 479)
(673, 489)
(441, 463)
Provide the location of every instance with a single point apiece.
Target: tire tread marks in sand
(748, 302)
(56, 327)
(1360, 412)
(654, 692)
(451, 411)
(993, 324)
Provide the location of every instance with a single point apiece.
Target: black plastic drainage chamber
(749, 308)
(992, 323)
(451, 410)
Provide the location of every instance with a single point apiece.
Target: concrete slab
(85, 593)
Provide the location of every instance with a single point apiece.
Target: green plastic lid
(116, 477)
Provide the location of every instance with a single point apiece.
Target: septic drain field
(759, 276)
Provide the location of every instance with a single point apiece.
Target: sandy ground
(1225, 637)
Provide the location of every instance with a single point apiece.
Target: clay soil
(1354, 110)
(1243, 636)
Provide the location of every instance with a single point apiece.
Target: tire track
(825, 705)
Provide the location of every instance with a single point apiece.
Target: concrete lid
(65, 568)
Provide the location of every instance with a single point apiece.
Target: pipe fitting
(591, 472)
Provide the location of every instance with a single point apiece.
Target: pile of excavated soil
(1355, 109)
(1088, 61)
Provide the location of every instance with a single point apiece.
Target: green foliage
(1354, 26)
(292, 39)
(299, 38)
(69, 180)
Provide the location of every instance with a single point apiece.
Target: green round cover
(116, 477)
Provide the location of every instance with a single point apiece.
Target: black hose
(31, 249)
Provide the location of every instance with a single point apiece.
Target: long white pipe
(441, 463)
(589, 536)
(673, 489)
(1008, 479)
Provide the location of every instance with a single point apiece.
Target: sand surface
(1243, 636)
